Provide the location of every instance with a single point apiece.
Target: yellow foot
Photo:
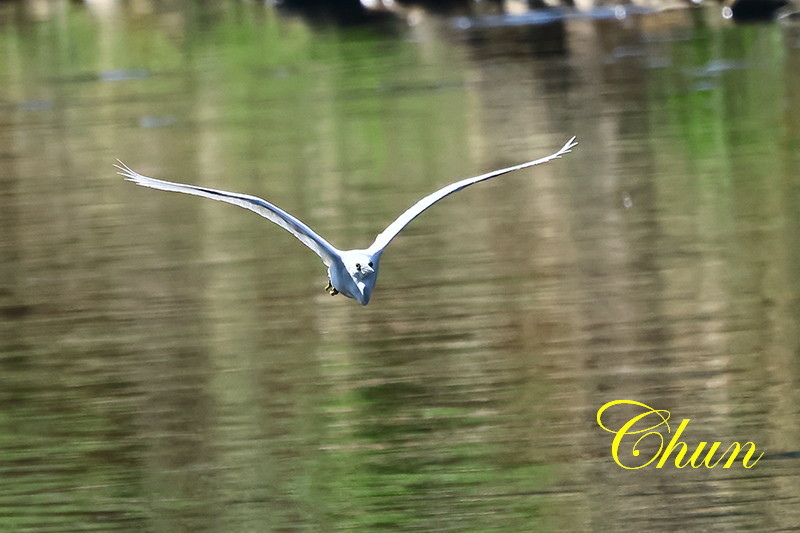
(331, 289)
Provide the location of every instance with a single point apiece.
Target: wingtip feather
(570, 144)
(127, 173)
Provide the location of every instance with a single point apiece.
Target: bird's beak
(364, 292)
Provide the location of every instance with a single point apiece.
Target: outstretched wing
(386, 236)
(271, 212)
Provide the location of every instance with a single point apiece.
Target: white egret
(350, 272)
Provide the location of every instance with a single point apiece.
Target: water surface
(169, 363)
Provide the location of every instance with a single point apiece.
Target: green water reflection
(173, 364)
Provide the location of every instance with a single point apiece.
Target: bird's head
(363, 271)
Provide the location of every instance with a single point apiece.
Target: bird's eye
(358, 267)
(370, 263)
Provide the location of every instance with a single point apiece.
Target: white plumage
(350, 272)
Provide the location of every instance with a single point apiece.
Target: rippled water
(169, 363)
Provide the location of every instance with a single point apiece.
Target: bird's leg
(331, 289)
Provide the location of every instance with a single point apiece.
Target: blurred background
(169, 363)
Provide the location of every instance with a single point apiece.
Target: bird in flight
(350, 272)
